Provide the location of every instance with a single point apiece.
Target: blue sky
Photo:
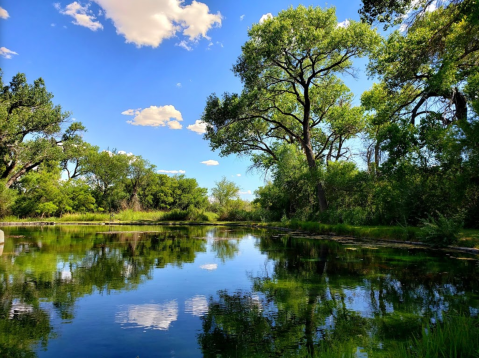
(102, 58)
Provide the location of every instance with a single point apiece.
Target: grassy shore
(468, 237)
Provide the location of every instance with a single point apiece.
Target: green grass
(125, 216)
(457, 336)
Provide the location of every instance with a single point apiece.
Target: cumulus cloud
(265, 17)
(3, 13)
(199, 127)
(344, 24)
(210, 162)
(238, 175)
(247, 192)
(82, 15)
(174, 125)
(171, 171)
(154, 116)
(241, 17)
(6, 53)
(178, 85)
(148, 23)
(131, 112)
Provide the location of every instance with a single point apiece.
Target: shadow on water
(307, 295)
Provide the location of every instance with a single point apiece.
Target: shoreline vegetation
(468, 239)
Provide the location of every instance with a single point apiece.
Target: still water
(93, 291)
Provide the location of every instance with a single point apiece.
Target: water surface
(92, 291)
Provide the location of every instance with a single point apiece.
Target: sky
(137, 73)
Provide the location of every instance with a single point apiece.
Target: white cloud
(125, 153)
(219, 43)
(241, 17)
(238, 175)
(247, 192)
(6, 53)
(199, 127)
(209, 267)
(171, 172)
(265, 17)
(57, 6)
(178, 85)
(148, 23)
(3, 13)
(210, 162)
(174, 125)
(344, 24)
(185, 45)
(157, 116)
(82, 15)
(131, 112)
(52, 25)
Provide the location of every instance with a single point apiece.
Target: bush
(176, 214)
(442, 231)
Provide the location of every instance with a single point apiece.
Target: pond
(167, 291)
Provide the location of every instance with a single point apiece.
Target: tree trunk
(308, 150)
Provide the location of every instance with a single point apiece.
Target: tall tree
(291, 93)
(31, 128)
(225, 191)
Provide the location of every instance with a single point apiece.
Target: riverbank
(468, 242)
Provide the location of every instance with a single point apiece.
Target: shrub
(442, 231)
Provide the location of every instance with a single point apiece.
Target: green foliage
(292, 94)
(457, 336)
(441, 231)
(7, 198)
(31, 128)
(224, 192)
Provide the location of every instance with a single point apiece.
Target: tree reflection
(322, 295)
(50, 269)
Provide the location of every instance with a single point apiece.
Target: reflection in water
(18, 309)
(209, 267)
(197, 306)
(313, 295)
(152, 316)
(307, 294)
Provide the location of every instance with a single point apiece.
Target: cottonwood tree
(31, 128)
(291, 92)
(225, 191)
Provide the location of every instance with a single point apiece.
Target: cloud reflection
(197, 306)
(209, 267)
(152, 316)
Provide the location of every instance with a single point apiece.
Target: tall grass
(458, 336)
(127, 216)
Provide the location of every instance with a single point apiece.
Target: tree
(291, 93)
(140, 172)
(400, 11)
(106, 171)
(30, 128)
(225, 191)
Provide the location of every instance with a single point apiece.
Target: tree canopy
(291, 90)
